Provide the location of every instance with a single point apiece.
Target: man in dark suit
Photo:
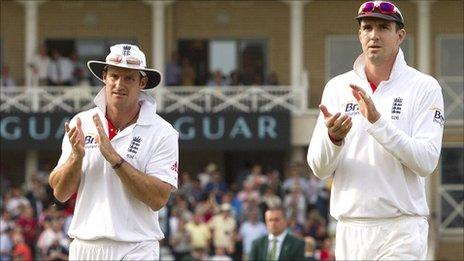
(278, 244)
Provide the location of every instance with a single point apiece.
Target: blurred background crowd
(205, 219)
(52, 68)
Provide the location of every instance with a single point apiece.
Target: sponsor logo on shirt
(352, 108)
(134, 147)
(396, 108)
(90, 141)
(438, 116)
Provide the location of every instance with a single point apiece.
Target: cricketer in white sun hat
(126, 56)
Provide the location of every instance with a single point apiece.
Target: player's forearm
(150, 190)
(65, 179)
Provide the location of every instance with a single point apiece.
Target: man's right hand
(76, 138)
(338, 127)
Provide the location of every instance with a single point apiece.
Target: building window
(248, 57)
(451, 214)
(450, 75)
(342, 51)
(82, 50)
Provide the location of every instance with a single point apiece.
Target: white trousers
(400, 238)
(104, 249)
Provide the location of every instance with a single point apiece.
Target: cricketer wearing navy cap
(379, 136)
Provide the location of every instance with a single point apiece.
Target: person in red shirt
(21, 250)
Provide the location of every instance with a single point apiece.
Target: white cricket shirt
(104, 208)
(379, 170)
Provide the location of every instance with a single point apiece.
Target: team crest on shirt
(438, 116)
(134, 147)
(90, 141)
(396, 108)
(351, 108)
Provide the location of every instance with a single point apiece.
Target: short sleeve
(164, 161)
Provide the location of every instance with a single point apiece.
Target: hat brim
(380, 16)
(97, 67)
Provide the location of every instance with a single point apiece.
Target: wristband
(118, 165)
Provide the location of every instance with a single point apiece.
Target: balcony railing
(246, 99)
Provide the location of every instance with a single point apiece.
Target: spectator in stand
(296, 178)
(223, 227)
(199, 232)
(269, 199)
(321, 195)
(206, 175)
(173, 71)
(310, 249)
(216, 186)
(235, 78)
(6, 245)
(180, 241)
(326, 250)
(21, 250)
(207, 207)
(272, 79)
(231, 198)
(53, 231)
(279, 244)
(14, 200)
(80, 76)
(216, 79)
(186, 184)
(37, 196)
(256, 178)
(250, 230)
(57, 252)
(60, 70)
(7, 82)
(28, 225)
(188, 73)
(6, 221)
(249, 196)
(274, 182)
(295, 204)
(39, 65)
(220, 254)
(257, 80)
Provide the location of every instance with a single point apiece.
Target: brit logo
(438, 116)
(352, 108)
(90, 141)
(396, 108)
(134, 147)
(126, 49)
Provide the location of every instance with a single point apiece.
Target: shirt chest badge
(134, 147)
(396, 108)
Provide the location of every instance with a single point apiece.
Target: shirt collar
(280, 238)
(399, 64)
(147, 110)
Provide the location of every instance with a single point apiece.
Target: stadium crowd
(205, 219)
(52, 68)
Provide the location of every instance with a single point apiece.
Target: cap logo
(126, 49)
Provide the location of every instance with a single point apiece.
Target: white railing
(246, 99)
(451, 194)
(454, 99)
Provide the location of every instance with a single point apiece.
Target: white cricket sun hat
(126, 56)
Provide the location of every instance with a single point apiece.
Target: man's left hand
(106, 148)
(366, 105)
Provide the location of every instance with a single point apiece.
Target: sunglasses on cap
(383, 7)
(129, 60)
